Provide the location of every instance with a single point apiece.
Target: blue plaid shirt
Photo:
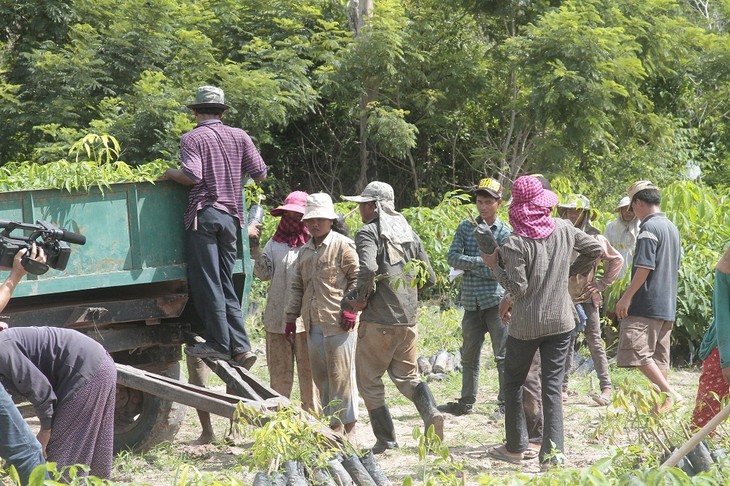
(479, 289)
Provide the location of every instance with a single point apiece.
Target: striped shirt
(479, 288)
(536, 273)
(218, 157)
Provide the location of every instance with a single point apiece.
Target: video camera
(45, 235)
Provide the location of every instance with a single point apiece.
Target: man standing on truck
(215, 159)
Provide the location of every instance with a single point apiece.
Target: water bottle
(255, 215)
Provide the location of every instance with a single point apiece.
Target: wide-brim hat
(639, 186)
(577, 201)
(320, 205)
(489, 187)
(529, 189)
(623, 203)
(375, 191)
(296, 202)
(209, 97)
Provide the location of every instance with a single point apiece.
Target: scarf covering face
(291, 232)
(529, 211)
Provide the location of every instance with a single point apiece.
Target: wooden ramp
(241, 386)
(193, 396)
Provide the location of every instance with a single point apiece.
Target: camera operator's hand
(36, 253)
(18, 272)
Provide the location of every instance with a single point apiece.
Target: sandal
(530, 453)
(500, 453)
(601, 400)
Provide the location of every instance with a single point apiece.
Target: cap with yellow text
(490, 187)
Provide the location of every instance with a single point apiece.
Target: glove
(290, 330)
(347, 321)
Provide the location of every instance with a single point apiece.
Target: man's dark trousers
(474, 326)
(211, 253)
(553, 352)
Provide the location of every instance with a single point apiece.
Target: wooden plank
(207, 400)
(193, 396)
(242, 382)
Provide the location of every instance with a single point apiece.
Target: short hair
(209, 110)
(339, 226)
(649, 196)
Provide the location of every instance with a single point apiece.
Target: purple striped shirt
(218, 157)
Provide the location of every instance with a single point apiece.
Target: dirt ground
(467, 437)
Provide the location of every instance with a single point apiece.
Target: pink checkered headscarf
(529, 210)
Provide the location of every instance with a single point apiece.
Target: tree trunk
(360, 13)
(371, 94)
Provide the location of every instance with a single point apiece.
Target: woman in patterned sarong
(68, 377)
(715, 350)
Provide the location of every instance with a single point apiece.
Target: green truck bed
(134, 235)
(126, 287)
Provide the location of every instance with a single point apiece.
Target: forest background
(427, 95)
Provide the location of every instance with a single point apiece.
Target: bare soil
(467, 437)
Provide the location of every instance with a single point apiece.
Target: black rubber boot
(382, 424)
(426, 406)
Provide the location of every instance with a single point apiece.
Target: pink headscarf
(529, 210)
(291, 231)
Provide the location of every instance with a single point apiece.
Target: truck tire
(142, 420)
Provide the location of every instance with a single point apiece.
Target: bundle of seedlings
(291, 447)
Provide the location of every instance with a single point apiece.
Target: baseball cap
(490, 187)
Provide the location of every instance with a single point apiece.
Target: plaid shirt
(479, 289)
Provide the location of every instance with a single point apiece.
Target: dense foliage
(428, 95)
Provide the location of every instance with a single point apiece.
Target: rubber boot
(426, 406)
(382, 424)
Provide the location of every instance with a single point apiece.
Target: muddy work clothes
(276, 263)
(333, 370)
(280, 358)
(391, 298)
(382, 348)
(322, 277)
